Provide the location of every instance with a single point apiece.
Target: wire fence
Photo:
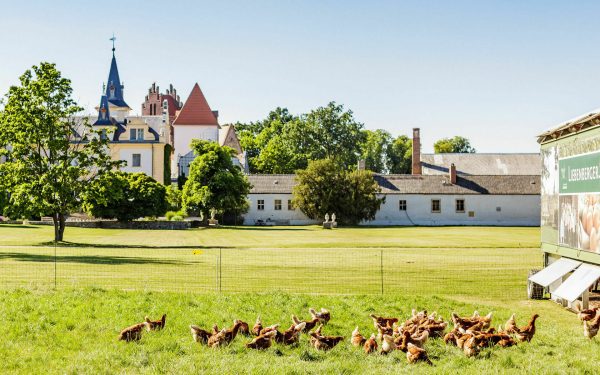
(485, 272)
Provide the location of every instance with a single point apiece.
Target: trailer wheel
(534, 291)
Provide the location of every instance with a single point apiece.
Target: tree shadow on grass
(89, 259)
(18, 226)
(131, 246)
(276, 229)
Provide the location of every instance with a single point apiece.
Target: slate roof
(196, 110)
(114, 83)
(482, 164)
(408, 184)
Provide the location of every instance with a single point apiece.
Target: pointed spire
(114, 89)
(103, 112)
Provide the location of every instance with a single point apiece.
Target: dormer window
(112, 90)
(136, 134)
(103, 113)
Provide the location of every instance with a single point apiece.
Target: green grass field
(108, 279)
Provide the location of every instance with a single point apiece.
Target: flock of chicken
(591, 321)
(471, 333)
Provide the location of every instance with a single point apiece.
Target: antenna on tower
(113, 42)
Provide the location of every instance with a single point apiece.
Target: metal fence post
(55, 260)
(220, 269)
(381, 269)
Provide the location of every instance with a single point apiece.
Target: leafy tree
(283, 143)
(255, 137)
(373, 149)
(173, 198)
(3, 201)
(50, 156)
(399, 155)
(362, 202)
(214, 182)
(328, 133)
(125, 196)
(327, 187)
(456, 144)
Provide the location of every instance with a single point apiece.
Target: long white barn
(428, 200)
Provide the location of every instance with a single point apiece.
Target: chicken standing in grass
(590, 328)
(200, 335)
(324, 315)
(218, 339)
(262, 342)
(380, 321)
(357, 339)
(526, 333)
(292, 335)
(387, 345)
(244, 328)
(308, 324)
(257, 327)
(370, 345)
(155, 325)
(415, 354)
(232, 332)
(321, 342)
(132, 333)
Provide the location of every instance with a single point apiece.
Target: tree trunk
(59, 226)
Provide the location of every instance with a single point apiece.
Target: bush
(125, 196)
(174, 216)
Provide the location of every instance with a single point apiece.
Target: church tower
(114, 90)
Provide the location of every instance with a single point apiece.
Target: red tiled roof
(196, 110)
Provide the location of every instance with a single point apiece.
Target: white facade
(145, 156)
(497, 210)
(284, 216)
(183, 135)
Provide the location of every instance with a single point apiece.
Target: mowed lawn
(108, 279)
(486, 261)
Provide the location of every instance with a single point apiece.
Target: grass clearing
(74, 331)
(279, 237)
(108, 279)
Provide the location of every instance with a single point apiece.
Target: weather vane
(113, 41)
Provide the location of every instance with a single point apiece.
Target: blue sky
(498, 73)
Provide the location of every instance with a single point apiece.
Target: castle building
(139, 141)
(158, 142)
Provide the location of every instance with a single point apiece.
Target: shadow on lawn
(88, 259)
(18, 226)
(272, 229)
(132, 246)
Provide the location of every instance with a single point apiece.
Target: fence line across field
(294, 270)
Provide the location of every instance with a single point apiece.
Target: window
(471, 213)
(136, 160)
(498, 209)
(460, 205)
(103, 134)
(402, 205)
(260, 204)
(278, 204)
(140, 134)
(435, 206)
(132, 134)
(290, 205)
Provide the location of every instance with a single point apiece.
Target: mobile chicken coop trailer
(570, 211)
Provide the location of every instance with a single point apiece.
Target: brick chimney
(416, 152)
(452, 170)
